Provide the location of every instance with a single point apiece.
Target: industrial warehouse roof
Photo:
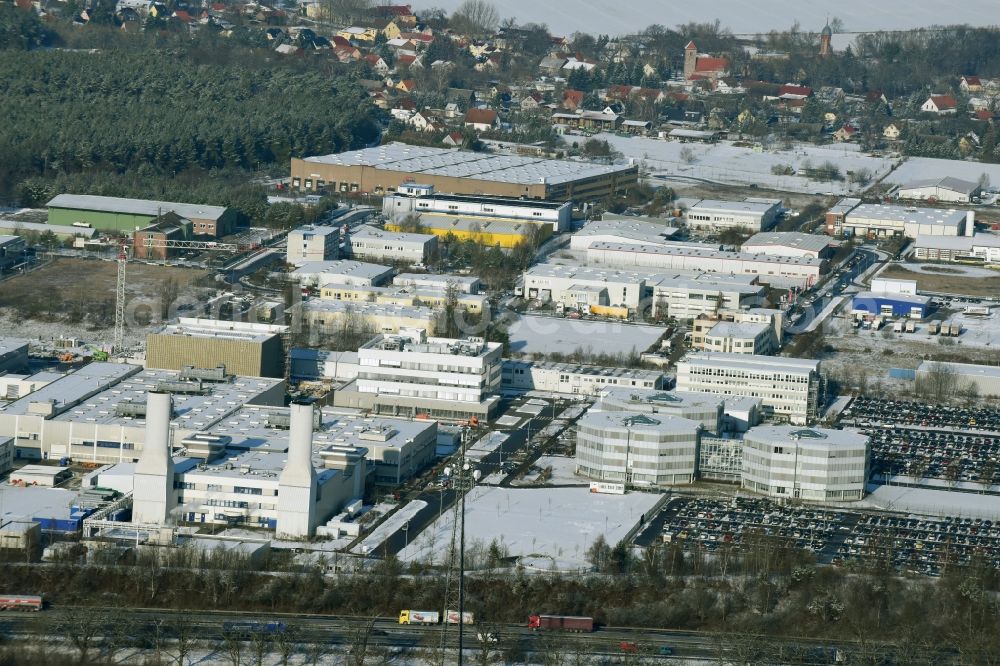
(466, 164)
(590, 370)
(686, 280)
(73, 387)
(639, 421)
(947, 183)
(498, 201)
(476, 224)
(689, 251)
(792, 239)
(135, 206)
(738, 330)
(630, 229)
(9, 345)
(754, 206)
(906, 214)
(345, 267)
(367, 309)
(751, 362)
(368, 231)
(807, 437)
(251, 428)
(965, 243)
(444, 279)
(192, 411)
(222, 330)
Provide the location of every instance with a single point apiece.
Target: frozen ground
(542, 335)
(486, 445)
(919, 168)
(558, 524)
(726, 163)
(564, 17)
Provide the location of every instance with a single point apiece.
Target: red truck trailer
(21, 602)
(561, 623)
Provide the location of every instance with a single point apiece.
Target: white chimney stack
(153, 497)
(970, 223)
(297, 483)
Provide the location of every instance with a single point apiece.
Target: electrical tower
(463, 479)
(118, 343)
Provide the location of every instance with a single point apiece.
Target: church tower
(690, 59)
(824, 41)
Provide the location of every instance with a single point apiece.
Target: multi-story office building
(805, 463)
(637, 449)
(705, 408)
(373, 244)
(313, 243)
(412, 375)
(789, 388)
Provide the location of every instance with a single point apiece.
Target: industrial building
(873, 220)
(947, 189)
(342, 271)
(703, 408)
(13, 355)
(291, 491)
(322, 365)
(583, 287)
(836, 216)
(391, 167)
(413, 375)
(637, 449)
(984, 248)
(126, 215)
(422, 199)
(503, 233)
(892, 305)
(241, 348)
(789, 388)
(771, 269)
(372, 244)
(790, 244)
(313, 243)
(410, 296)
(625, 229)
(98, 413)
(704, 323)
(150, 242)
(11, 252)
(574, 378)
(330, 316)
(984, 379)
(813, 464)
(754, 214)
(466, 284)
(688, 297)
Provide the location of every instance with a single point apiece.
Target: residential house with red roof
(940, 104)
(481, 120)
(572, 99)
(971, 84)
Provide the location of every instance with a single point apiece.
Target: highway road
(340, 632)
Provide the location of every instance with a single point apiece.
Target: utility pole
(464, 478)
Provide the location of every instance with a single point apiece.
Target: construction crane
(118, 342)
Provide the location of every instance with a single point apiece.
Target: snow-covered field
(564, 17)
(726, 163)
(542, 335)
(559, 524)
(919, 168)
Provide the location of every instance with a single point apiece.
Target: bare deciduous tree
(475, 17)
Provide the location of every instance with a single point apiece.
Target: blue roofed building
(895, 305)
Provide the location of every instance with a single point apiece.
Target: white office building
(753, 214)
(329, 316)
(313, 243)
(373, 244)
(816, 464)
(574, 378)
(983, 247)
(909, 221)
(770, 269)
(412, 375)
(422, 199)
(466, 284)
(789, 388)
(704, 408)
(687, 297)
(740, 338)
(637, 449)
